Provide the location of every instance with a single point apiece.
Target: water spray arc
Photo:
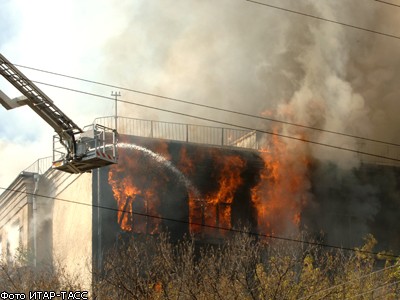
(162, 160)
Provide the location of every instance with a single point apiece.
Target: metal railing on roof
(167, 130)
(40, 166)
(189, 133)
(250, 139)
(218, 136)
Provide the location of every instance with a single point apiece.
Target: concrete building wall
(173, 179)
(50, 231)
(72, 223)
(15, 215)
(159, 180)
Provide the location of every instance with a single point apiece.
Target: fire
(218, 203)
(283, 187)
(135, 189)
(196, 203)
(214, 187)
(214, 206)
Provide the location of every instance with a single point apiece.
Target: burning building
(189, 179)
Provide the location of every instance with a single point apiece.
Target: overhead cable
(299, 139)
(345, 283)
(324, 19)
(270, 236)
(388, 3)
(371, 291)
(211, 107)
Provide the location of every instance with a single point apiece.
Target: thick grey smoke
(250, 58)
(239, 55)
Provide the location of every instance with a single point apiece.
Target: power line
(396, 290)
(270, 236)
(324, 19)
(377, 288)
(346, 283)
(210, 107)
(226, 123)
(389, 3)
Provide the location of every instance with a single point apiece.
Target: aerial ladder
(75, 150)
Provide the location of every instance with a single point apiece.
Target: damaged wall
(227, 187)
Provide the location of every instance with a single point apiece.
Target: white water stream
(162, 160)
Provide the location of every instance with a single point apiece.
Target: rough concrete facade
(77, 221)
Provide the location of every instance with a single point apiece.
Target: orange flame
(213, 208)
(283, 188)
(218, 203)
(135, 191)
(196, 204)
(278, 197)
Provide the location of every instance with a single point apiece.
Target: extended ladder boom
(74, 150)
(37, 100)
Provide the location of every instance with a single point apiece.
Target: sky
(231, 54)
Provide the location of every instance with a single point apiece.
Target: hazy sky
(227, 53)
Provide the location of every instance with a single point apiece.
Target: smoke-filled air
(276, 64)
(262, 60)
(238, 55)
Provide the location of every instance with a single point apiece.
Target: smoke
(337, 93)
(230, 54)
(258, 60)
(13, 240)
(239, 55)
(17, 155)
(66, 38)
(205, 56)
(162, 160)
